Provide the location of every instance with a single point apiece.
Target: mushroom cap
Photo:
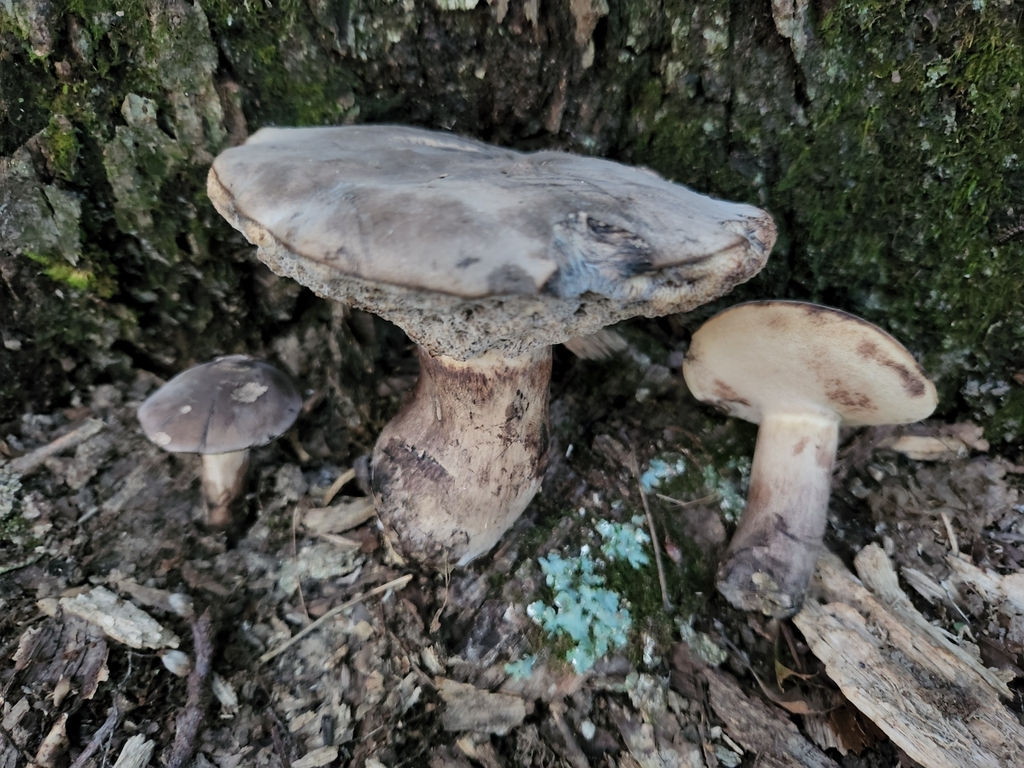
(774, 357)
(423, 226)
(230, 404)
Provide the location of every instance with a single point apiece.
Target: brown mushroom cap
(789, 356)
(470, 247)
(230, 404)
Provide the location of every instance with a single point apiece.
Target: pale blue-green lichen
(522, 668)
(660, 469)
(583, 611)
(624, 541)
(731, 495)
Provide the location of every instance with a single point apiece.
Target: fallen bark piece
(936, 702)
(470, 709)
(761, 729)
(645, 747)
(54, 745)
(889, 607)
(62, 654)
(121, 620)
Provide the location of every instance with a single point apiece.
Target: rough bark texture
(884, 136)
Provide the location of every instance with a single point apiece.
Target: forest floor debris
(321, 651)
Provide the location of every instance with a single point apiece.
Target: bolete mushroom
(485, 257)
(800, 371)
(221, 410)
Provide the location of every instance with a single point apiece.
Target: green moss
(294, 80)
(79, 277)
(63, 147)
(890, 181)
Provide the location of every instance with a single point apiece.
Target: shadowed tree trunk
(884, 137)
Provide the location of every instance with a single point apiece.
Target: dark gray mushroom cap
(433, 211)
(230, 404)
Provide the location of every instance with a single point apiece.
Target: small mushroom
(800, 371)
(220, 410)
(485, 257)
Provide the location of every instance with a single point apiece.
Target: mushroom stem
(223, 482)
(460, 462)
(772, 554)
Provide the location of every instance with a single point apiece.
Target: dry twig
(102, 734)
(344, 478)
(435, 623)
(30, 462)
(679, 503)
(188, 722)
(654, 534)
(395, 584)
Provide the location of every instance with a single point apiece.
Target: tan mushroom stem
(461, 461)
(772, 554)
(223, 483)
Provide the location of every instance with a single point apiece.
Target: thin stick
(395, 584)
(954, 545)
(105, 730)
(679, 503)
(33, 460)
(295, 554)
(654, 534)
(188, 722)
(435, 623)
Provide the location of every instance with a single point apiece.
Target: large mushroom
(485, 257)
(800, 371)
(220, 410)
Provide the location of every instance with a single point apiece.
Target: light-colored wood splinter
(936, 701)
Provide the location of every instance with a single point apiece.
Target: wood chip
(924, 585)
(137, 480)
(136, 752)
(316, 758)
(470, 709)
(122, 621)
(993, 588)
(929, 448)
(936, 701)
(597, 346)
(349, 513)
(54, 745)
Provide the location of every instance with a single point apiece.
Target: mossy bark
(886, 137)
